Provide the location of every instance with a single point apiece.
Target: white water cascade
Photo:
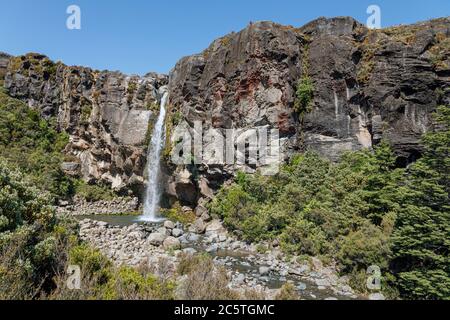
(153, 190)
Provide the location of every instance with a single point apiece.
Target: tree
(421, 241)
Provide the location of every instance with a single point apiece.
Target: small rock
(190, 251)
(177, 233)
(211, 249)
(240, 278)
(206, 217)
(200, 210)
(215, 226)
(263, 270)
(199, 226)
(171, 243)
(322, 282)
(169, 224)
(156, 238)
(301, 286)
(317, 264)
(163, 230)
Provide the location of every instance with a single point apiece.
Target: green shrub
(176, 213)
(92, 192)
(304, 95)
(287, 292)
(421, 243)
(33, 145)
(203, 280)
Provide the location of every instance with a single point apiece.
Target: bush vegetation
(361, 211)
(33, 145)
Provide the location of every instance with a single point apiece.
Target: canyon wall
(108, 115)
(366, 85)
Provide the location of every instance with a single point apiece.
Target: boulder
(171, 243)
(199, 226)
(264, 270)
(215, 227)
(200, 210)
(169, 224)
(177, 233)
(156, 238)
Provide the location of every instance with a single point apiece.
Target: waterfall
(153, 189)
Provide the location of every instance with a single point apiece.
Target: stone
(239, 279)
(316, 264)
(205, 217)
(164, 230)
(215, 226)
(70, 166)
(200, 210)
(211, 249)
(263, 270)
(156, 238)
(189, 251)
(171, 243)
(199, 226)
(193, 237)
(177, 233)
(322, 282)
(301, 286)
(169, 224)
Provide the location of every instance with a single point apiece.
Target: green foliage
(304, 95)
(361, 211)
(93, 192)
(33, 145)
(421, 242)
(203, 280)
(32, 238)
(102, 280)
(175, 213)
(344, 211)
(287, 292)
(20, 201)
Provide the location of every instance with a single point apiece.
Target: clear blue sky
(138, 36)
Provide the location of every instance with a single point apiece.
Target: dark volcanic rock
(368, 85)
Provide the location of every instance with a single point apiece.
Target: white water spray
(153, 190)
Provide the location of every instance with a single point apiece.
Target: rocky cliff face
(108, 115)
(366, 85)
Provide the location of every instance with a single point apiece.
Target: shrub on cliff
(34, 145)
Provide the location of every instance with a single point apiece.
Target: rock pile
(80, 207)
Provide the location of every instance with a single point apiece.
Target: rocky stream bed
(128, 241)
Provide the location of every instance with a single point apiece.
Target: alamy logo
(256, 147)
(374, 278)
(73, 22)
(74, 279)
(374, 20)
